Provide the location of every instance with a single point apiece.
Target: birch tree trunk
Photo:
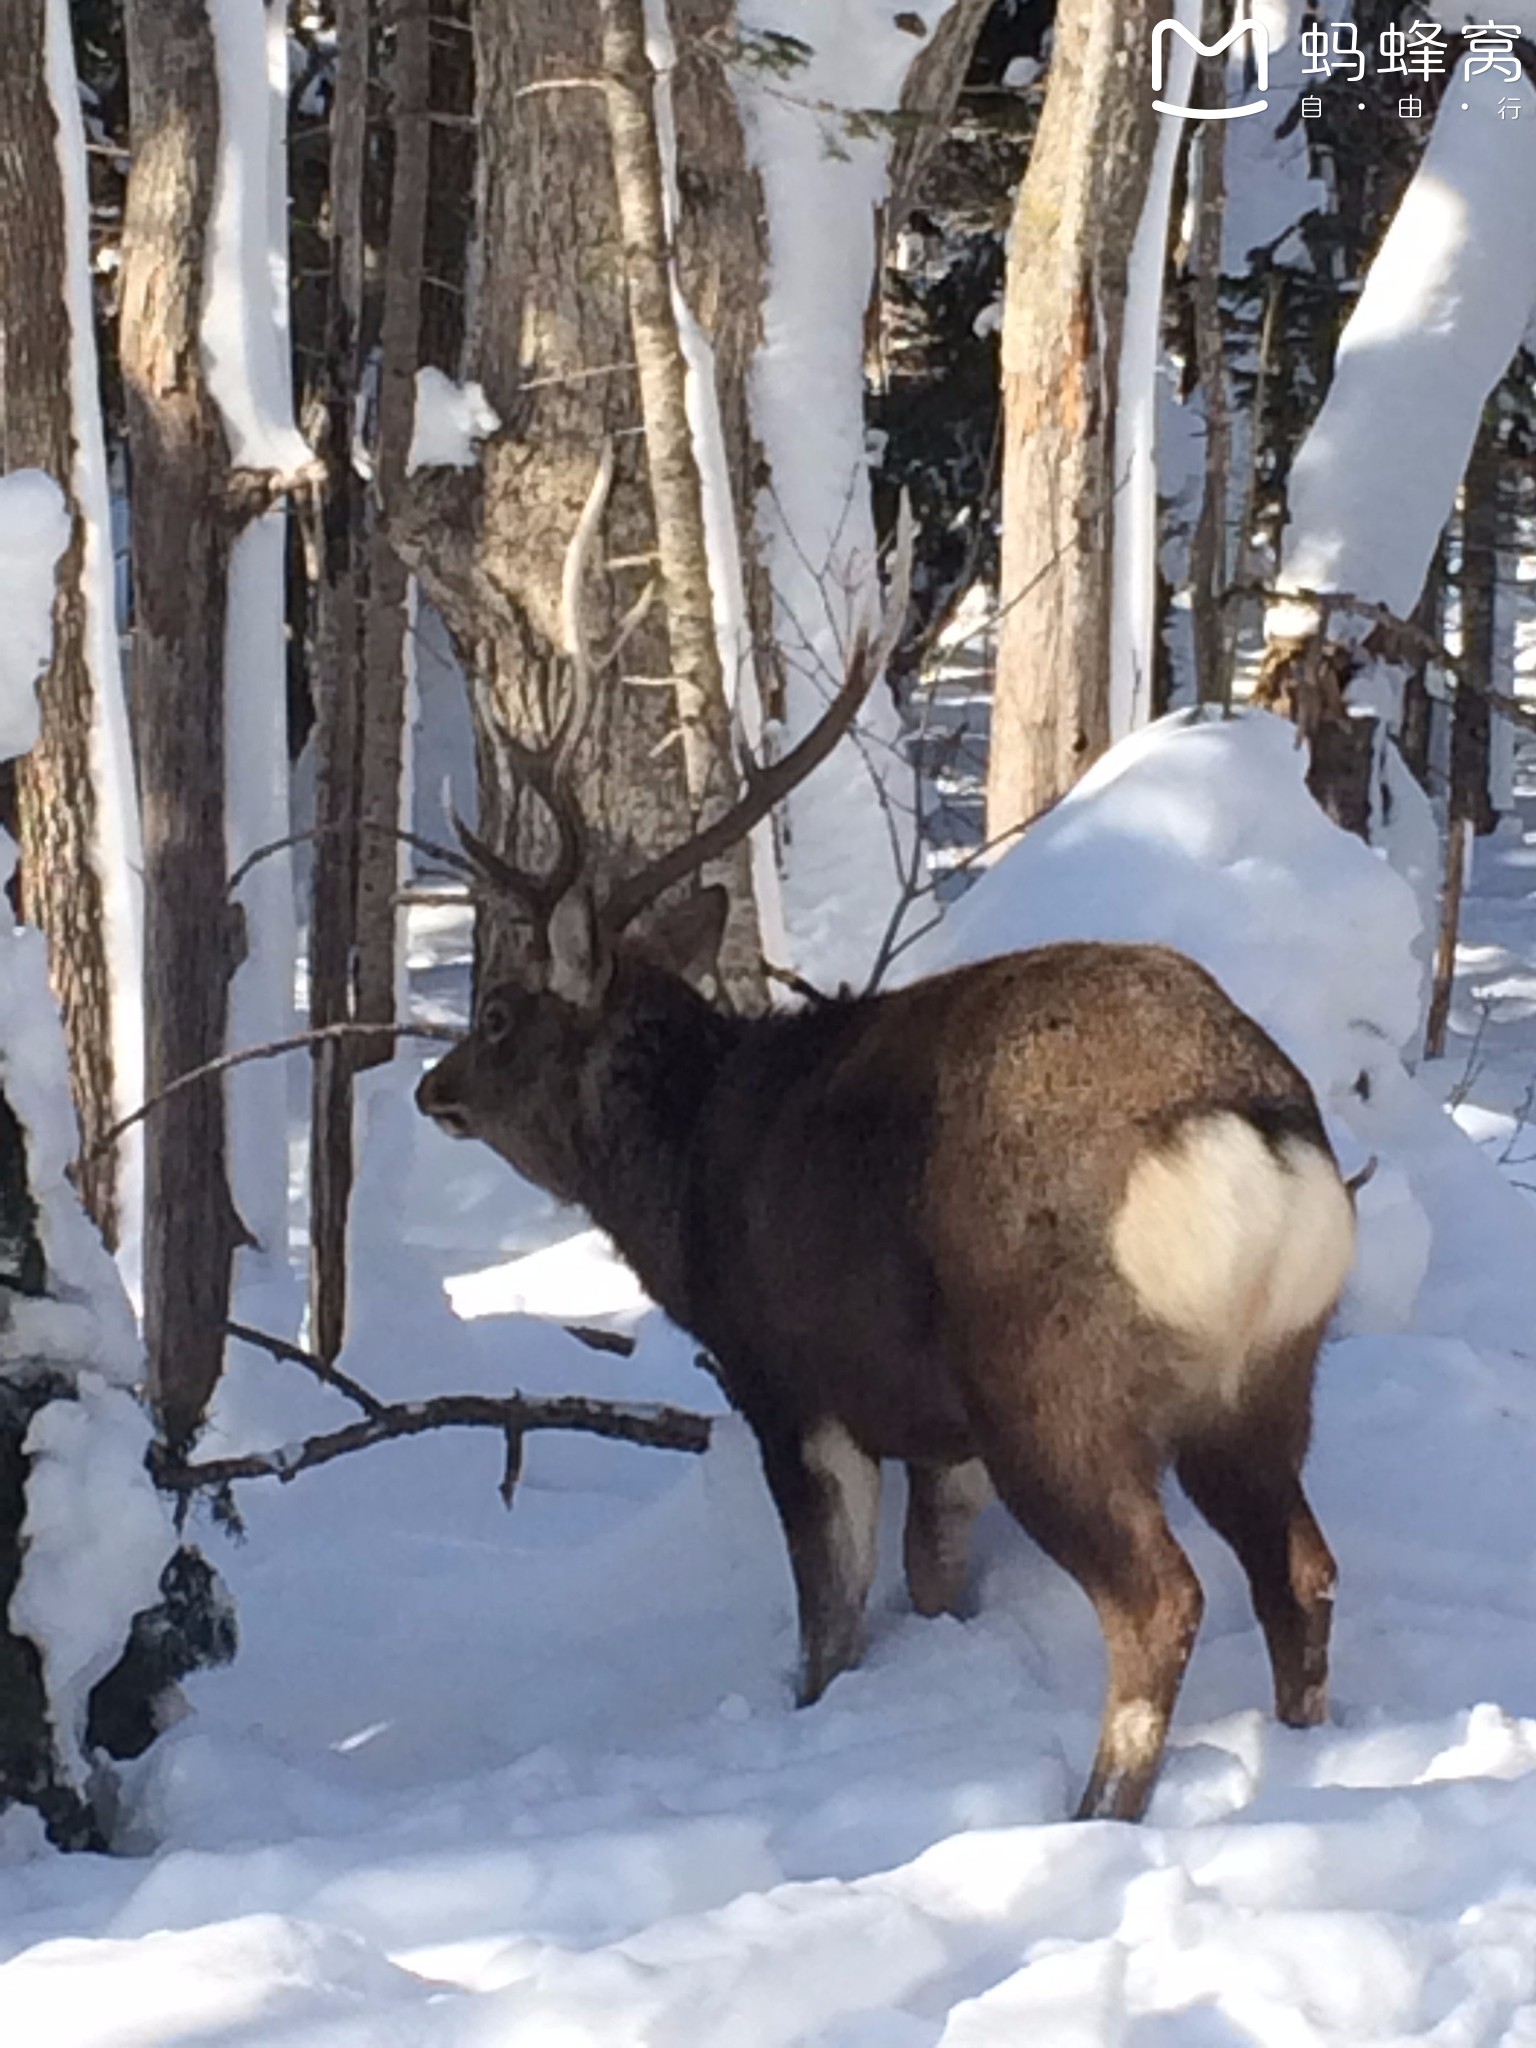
(1077, 214)
(58, 797)
(182, 533)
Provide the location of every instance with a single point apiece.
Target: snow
(1270, 185)
(95, 1541)
(451, 421)
(843, 833)
(245, 340)
(1133, 597)
(118, 853)
(244, 320)
(96, 1535)
(34, 532)
(1442, 310)
(535, 1778)
(257, 814)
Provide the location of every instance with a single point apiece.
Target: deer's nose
(450, 1117)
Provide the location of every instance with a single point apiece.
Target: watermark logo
(1243, 26)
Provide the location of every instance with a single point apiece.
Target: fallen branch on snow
(512, 1415)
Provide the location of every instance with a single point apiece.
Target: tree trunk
(553, 347)
(1469, 795)
(1208, 548)
(672, 467)
(182, 533)
(1416, 727)
(1077, 214)
(61, 888)
(384, 642)
(341, 609)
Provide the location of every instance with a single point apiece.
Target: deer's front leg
(942, 1503)
(827, 1492)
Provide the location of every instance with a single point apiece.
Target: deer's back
(882, 1182)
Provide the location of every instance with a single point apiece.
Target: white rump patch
(1233, 1244)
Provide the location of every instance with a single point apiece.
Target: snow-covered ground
(535, 1778)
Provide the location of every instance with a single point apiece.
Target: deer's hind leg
(1084, 1483)
(1245, 1478)
(943, 1502)
(827, 1492)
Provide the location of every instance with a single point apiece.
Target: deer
(1048, 1226)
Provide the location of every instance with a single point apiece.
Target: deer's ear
(580, 959)
(685, 938)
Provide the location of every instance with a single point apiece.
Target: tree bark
(672, 467)
(1076, 218)
(928, 97)
(384, 644)
(341, 608)
(1470, 733)
(58, 800)
(1416, 727)
(553, 348)
(1468, 810)
(1208, 548)
(182, 532)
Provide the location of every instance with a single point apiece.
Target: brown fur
(893, 1223)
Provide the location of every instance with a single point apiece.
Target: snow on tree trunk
(84, 1539)
(1442, 311)
(1074, 228)
(819, 132)
(1133, 596)
(245, 349)
(75, 786)
(1443, 308)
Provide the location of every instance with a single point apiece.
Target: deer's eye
(495, 1020)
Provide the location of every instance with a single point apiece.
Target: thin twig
(443, 1033)
(294, 1354)
(430, 847)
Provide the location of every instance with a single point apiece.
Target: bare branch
(312, 833)
(511, 1415)
(297, 1043)
(328, 1375)
(775, 780)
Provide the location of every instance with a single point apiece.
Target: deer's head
(517, 1078)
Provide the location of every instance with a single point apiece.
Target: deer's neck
(645, 1086)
